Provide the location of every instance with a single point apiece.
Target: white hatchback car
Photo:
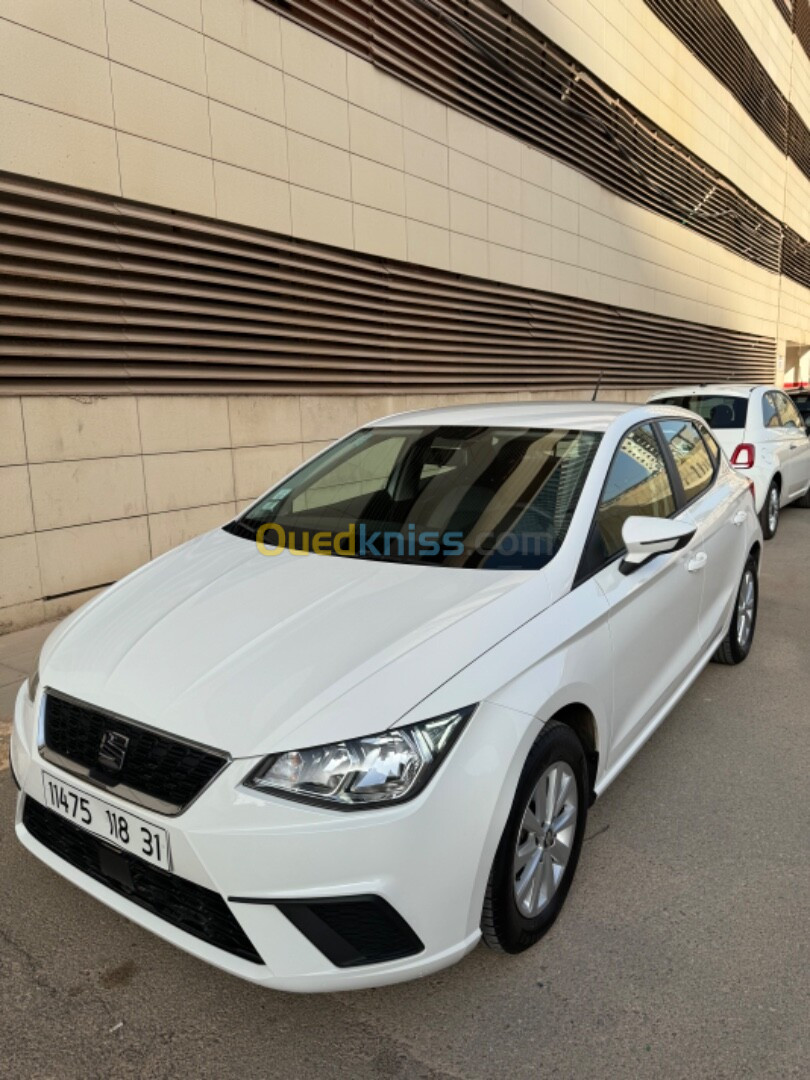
(339, 769)
(764, 436)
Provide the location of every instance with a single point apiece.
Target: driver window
(638, 483)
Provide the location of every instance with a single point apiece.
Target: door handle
(697, 562)
(740, 517)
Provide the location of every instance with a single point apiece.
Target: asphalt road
(682, 950)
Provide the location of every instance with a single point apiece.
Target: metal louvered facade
(785, 10)
(231, 233)
(107, 296)
(481, 57)
(801, 23)
(709, 32)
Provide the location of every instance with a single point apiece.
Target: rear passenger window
(770, 412)
(638, 483)
(692, 460)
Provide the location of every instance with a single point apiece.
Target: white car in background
(763, 435)
(322, 771)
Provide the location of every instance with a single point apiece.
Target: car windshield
(494, 498)
(718, 410)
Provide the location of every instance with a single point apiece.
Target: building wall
(91, 488)
(224, 109)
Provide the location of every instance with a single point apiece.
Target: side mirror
(646, 537)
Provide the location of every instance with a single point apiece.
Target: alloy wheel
(746, 604)
(545, 839)
(773, 509)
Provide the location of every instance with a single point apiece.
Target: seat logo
(112, 751)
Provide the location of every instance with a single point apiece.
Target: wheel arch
(583, 723)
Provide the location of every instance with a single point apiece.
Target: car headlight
(389, 767)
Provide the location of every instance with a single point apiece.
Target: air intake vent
(198, 911)
(354, 930)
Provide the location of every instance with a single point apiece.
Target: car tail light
(744, 456)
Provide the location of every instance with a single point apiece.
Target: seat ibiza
(339, 740)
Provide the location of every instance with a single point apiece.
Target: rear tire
(736, 645)
(538, 852)
(769, 514)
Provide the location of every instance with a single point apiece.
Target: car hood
(251, 654)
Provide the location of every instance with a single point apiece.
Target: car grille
(199, 911)
(162, 773)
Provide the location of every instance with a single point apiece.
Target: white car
(340, 769)
(764, 436)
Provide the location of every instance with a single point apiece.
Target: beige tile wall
(768, 35)
(627, 45)
(222, 108)
(91, 488)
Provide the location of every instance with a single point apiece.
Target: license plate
(118, 827)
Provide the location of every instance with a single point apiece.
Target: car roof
(565, 415)
(727, 389)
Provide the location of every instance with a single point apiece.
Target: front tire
(736, 645)
(538, 852)
(769, 514)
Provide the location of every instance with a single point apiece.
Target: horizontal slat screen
(801, 23)
(482, 58)
(711, 34)
(785, 10)
(102, 295)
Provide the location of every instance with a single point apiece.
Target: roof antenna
(598, 384)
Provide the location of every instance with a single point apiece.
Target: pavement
(682, 951)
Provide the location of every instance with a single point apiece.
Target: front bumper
(427, 860)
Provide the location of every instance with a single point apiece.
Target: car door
(719, 507)
(777, 440)
(797, 446)
(654, 611)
